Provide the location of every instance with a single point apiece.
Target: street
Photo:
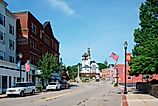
(85, 94)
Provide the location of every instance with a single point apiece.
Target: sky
(101, 25)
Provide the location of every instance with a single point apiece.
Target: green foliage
(145, 58)
(47, 65)
(102, 66)
(72, 70)
(111, 65)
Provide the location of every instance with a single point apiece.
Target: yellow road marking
(57, 96)
(54, 97)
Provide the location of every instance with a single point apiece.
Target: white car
(53, 86)
(21, 88)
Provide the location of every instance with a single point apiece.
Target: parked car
(64, 85)
(21, 88)
(97, 80)
(53, 86)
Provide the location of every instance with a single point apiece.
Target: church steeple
(89, 53)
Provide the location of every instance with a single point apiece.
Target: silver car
(53, 86)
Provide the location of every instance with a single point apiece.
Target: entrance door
(10, 81)
(4, 84)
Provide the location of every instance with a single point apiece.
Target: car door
(25, 85)
(58, 85)
(30, 87)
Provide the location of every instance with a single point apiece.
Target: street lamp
(20, 57)
(78, 73)
(125, 47)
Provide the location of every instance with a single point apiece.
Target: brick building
(34, 39)
(132, 79)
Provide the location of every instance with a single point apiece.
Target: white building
(89, 68)
(7, 34)
(8, 70)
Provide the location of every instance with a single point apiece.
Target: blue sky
(102, 25)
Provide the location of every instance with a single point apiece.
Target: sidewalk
(132, 99)
(141, 100)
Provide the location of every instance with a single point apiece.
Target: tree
(102, 66)
(47, 65)
(145, 58)
(72, 70)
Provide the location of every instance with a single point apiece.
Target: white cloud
(62, 5)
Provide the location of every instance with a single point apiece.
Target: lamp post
(61, 62)
(78, 73)
(125, 47)
(60, 67)
(20, 57)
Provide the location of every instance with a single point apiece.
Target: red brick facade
(131, 79)
(34, 39)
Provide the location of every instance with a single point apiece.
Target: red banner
(128, 57)
(27, 66)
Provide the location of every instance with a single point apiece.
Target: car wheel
(22, 94)
(33, 92)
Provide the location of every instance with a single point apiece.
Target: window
(33, 28)
(56, 47)
(11, 44)
(1, 55)
(33, 43)
(1, 36)
(47, 40)
(129, 78)
(11, 59)
(14, 81)
(41, 34)
(11, 29)
(2, 19)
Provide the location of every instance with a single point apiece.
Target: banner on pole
(27, 66)
(128, 57)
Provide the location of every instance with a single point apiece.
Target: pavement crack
(79, 103)
(43, 98)
(105, 100)
(82, 102)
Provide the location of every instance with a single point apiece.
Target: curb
(3, 96)
(124, 100)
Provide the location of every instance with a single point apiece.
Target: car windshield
(20, 85)
(52, 83)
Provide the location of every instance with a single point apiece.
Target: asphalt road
(85, 94)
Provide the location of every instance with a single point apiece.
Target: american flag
(114, 56)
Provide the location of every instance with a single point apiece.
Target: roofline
(4, 3)
(21, 12)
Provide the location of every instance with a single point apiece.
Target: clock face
(94, 67)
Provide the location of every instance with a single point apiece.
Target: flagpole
(116, 71)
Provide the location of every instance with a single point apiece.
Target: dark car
(97, 80)
(64, 85)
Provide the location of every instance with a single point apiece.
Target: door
(4, 84)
